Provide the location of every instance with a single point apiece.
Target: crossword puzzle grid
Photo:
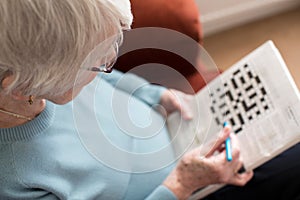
(240, 100)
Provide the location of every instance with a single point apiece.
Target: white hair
(44, 42)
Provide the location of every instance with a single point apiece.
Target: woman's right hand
(194, 172)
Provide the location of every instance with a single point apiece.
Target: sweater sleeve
(161, 192)
(137, 86)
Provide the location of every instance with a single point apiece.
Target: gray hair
(44, 42)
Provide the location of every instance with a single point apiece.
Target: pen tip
(225, 124)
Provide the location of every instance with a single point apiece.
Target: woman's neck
(21, 108)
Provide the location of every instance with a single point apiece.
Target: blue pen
(228, 146)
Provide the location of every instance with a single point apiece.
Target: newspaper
(260, 100)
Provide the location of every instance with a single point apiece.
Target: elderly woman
(49, 51)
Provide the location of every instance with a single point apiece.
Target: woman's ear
(6, 81)
(16, 94)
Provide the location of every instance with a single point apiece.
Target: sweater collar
(29, 129)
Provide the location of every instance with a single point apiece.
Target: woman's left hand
(173, 100)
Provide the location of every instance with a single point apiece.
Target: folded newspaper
(260, 100)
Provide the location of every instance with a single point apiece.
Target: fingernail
(226, 127)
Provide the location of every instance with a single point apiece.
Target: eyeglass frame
(108, 66)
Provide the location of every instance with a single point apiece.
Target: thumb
(242, 179)
(182, 104)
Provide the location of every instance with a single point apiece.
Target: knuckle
(236, 153)
(242, 182)
(186, 160)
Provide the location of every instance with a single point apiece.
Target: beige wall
(219, 15)
(227, 47)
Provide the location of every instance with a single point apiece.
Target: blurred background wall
(219, 15)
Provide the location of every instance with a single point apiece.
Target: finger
(234, 141)
(188, 112)
(236, 152)
(161, 110)
(185, 111)
(181, 103)
(242, 179)
(238, 166)
(222, 136)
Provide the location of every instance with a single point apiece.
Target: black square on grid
(243, 100)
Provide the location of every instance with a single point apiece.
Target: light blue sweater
(46, 158)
